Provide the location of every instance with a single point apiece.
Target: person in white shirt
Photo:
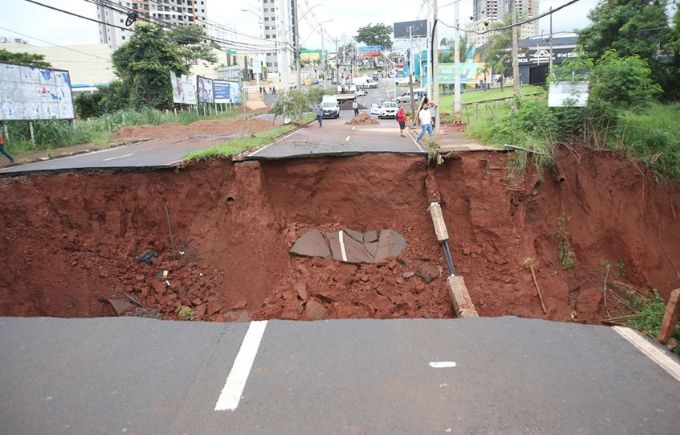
(355, 106)
(425, 122)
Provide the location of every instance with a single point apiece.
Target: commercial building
(115, 13)
(487, 12)
(278, 24)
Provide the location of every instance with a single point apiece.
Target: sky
(42, 26)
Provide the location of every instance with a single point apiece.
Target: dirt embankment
(71, 239)
(198, 128)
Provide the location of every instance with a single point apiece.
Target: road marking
(347, 138)
(341, 238)
(118, 157)
(273, 143)
(442, 364)
(174, 163)
(354, 128)
(236, 380)
(656, 355)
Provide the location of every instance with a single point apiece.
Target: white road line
(354, 128)
(656, 355)
(341, 238)
(273, 143)
(442, 364)
(236, 380)
(174, 162)
(347, 138)
(118, 157)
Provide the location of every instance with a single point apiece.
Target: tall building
(278, 23)
(173, 12)
(486, 12)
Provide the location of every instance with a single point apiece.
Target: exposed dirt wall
(68, 240)
(609, 209)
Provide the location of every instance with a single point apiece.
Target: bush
(291, 105)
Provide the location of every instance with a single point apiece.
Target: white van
(330, 106)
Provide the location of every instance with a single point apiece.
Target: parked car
(361, 92)
(418, 94)
(375, 109)
(388, 109)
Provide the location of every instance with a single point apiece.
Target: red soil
(198, 128)
(70, 239)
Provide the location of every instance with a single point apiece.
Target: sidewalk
(452, 138)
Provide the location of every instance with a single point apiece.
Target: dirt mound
(362, 119)
(198, 128)
(72, 240)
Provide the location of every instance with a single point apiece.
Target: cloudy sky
(42, 26)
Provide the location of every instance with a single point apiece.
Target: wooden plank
(462, 303)
(670, 318)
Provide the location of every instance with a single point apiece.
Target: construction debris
(350, 246)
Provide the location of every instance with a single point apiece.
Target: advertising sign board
(183, 89)
(30, 93)
(205, 89)
(568, 94)
(418, 29)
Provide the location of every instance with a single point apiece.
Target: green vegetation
(446, 102)
(56, 133)
(24, 58)
(185, 313)
(241, 144)
(297, 102)
(648, 315)
(565, 253)
(378, 34)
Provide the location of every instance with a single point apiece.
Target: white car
(361, 92)
(375, 109)
(388, 110)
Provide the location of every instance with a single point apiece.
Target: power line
(52, 43)
(510, 26)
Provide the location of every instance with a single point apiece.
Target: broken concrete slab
(371, 236)
(334, 243)
(390, 244)
(356, 235)
(311, 244)
(121, 306)
(356, 252)
(372, 249)
(314, 310)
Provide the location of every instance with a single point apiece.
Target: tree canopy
(379, 34)
(32, 59)
(144, 63)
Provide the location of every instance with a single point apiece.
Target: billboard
(568, 94)
(226, 92)
(418, 29)
(30, 93)
(470, 73)
(205, 89)
(183, 89)
(369, 51)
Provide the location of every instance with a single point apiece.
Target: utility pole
(410, 72)
(435, 66)
(550, 63)
(515, 58)
(456, 63)
(296, 44)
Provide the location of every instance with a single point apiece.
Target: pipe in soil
(72, 238)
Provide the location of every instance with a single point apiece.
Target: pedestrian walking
(401, 119)
(2, 148)
(425, 123)
(319, 115)
(355, 106)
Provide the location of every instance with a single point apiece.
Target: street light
(259, 59)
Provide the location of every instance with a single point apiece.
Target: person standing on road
(425, 123)
(2, 148)
(355, 106)
(319, 115)
(401, 119)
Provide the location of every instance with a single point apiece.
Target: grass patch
(446, 101)
(52, 133)
(241, 144)
(652, 136)
(648, 315)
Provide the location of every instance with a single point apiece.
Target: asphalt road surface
(150, 153)
(485, 375)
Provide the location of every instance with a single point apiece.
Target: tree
(447, 56)
(497, 54)
(144, 63)
(375, 35)
(37, 60)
